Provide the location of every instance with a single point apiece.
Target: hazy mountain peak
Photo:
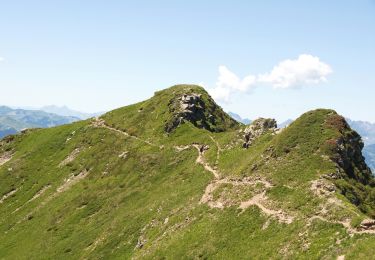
(66, 111)
(14, 120)
(238, 118)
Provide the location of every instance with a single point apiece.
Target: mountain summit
(176, 177)
(170, 108)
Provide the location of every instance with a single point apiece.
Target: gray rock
(258, 128)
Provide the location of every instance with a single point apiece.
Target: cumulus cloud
(230, 80)
(221, 93)
(303, 71)
(1, 59)
(228, 83)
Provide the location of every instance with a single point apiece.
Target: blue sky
(98, 55)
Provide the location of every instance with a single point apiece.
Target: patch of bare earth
(5, 157)
(200, 160)
(100, 123)
(71, 157)
(98, 241)
(166, 229)
(259, 200)
(40, 192)
(326, 190)
(37, 195)
(68, 183)
(5, 196)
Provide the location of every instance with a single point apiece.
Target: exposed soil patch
(8, 195)
(72, 180)
(98, 122)
(5, 157)
(40, 192)
(71, 157)
(37, 195)
(259, 199)
(323, 189)
(68, 183)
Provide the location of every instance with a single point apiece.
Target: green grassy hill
(169, 178)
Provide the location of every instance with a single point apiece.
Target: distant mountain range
(365, 129)
(369, 153)
(238, 118)
(247, 121)
(66, 111)
(285, 123)
(14, 120)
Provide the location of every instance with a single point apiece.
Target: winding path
(98, 122)
(208, 198)
(346, 224)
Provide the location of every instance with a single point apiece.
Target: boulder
(367, 224)
(258, 128)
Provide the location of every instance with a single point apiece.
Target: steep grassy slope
(153, 180)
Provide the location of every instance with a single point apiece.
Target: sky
(264, 58)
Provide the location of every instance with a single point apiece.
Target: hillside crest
(174, 177)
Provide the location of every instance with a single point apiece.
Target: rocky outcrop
(200, 110)
(191, 103)
(350, 158)
(188, 107)
(257, 128)
(352, 177)
(367, 224)
(6, 152)
(347, 151)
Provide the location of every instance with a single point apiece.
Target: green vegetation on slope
(153, 117)
(127, 185)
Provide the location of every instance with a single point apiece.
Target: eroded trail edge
(100, 123)
(259, 199)
(5, 157)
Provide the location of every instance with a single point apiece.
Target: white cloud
(228, 83)
(221, 93)
(228, 79)
(303, 71)
(1, 59)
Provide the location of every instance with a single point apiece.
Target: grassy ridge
(141, 197)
